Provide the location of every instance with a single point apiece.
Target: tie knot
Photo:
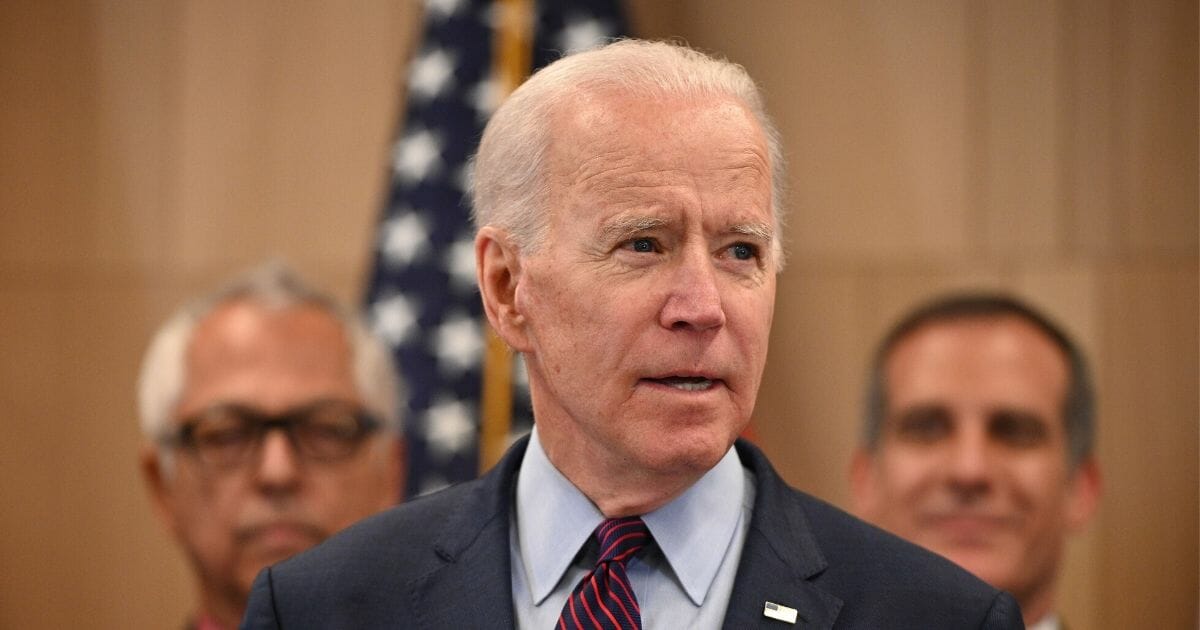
(621, 538)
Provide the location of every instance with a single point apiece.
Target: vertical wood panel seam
(976, 81)
(1066, 111)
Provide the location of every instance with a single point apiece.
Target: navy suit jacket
(442, 561)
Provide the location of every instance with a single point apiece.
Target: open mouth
(686, 383)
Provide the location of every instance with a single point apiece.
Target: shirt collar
(694, 530)
(1049, 622)
(555, 519)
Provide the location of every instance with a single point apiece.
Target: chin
(677, 454)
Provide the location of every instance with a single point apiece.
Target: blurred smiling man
(978, 443)
(271, 423)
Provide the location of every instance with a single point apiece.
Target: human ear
(158, 487)
(862, 482)
(498, 269)
(1083, 494)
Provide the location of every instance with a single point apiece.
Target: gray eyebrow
(757, 230)
(625, 227)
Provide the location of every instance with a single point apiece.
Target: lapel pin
(777, 611)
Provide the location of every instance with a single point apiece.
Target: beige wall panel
(80, 547)
(1020, 154)
(871, 97)
(47, 136)
(890, 293)
(1158, 126)
(804, 417)
(1079, 581)
(286, 123)
(1148, 443)
(1088, 127)
(1069, 294)
(137, 55)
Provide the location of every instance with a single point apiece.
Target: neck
(1037, 605)
(617, 488)
(219, 612)
(628, 497)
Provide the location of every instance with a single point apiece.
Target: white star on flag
(449, 427)
(394, 318)
(582, 34)
(417, 155)
(430, 73)
(405, 238)
(458, 343)
(460, 261)
(485, 97)
(462, 177)
(442, 9)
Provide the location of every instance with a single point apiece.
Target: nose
(277, 469)
(694, 299)
(969, 467)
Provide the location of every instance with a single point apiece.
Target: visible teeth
(688, 384)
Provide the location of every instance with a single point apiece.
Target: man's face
(234, 522)
(972, 459)
(646, 311)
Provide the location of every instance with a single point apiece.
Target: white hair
(509, 188)
(276, 286)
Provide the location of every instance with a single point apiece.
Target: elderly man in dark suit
(628, 207)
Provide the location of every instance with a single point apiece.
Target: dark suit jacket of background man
(442, 561)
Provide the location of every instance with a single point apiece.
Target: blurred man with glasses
(271, 418)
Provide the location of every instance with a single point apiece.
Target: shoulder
(405, 533)
(402, 537)
(400, 565)
(371, 564)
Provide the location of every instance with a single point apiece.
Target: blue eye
(743, 251)
(643, 245)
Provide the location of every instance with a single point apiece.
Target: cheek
(342, 497)
(582, 331)
(206, 514)
(1039, 484)
(750, 315)
(907, 476)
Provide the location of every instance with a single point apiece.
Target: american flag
(422, 296)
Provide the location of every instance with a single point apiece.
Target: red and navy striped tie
(604, 598)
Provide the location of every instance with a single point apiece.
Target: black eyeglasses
(225, 436)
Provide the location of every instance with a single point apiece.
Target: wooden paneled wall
(149, 149)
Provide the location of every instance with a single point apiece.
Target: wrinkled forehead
(599, 136)
(1002, 359)
(273, 357)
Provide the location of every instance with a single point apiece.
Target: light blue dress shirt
(684, 580)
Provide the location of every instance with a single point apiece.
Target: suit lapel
(470, 586)
(779, 558)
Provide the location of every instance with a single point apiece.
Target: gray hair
(509, 189)
(1078, 405)
(276, 286)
